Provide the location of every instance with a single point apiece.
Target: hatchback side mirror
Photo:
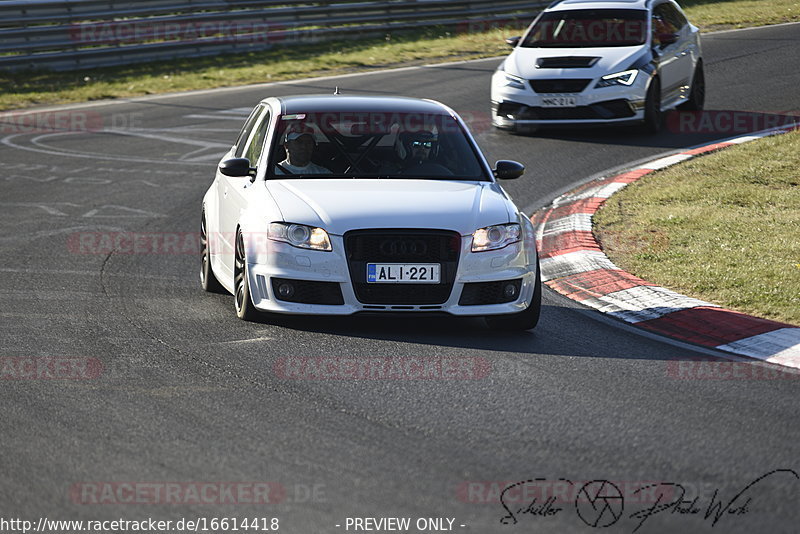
(513, 41)
(237, 167)
(508, 170)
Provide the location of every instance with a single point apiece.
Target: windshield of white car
(588, 28)
(365, 144)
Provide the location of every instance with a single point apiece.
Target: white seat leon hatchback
(600, 62)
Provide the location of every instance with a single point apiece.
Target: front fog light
(285, 290)
(495, 237)
(510, 291)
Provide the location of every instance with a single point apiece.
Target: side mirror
(513, 41)
(508, 170)
(237, 167)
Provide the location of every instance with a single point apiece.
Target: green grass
(723, 228)
(721, 14)
(25, 89)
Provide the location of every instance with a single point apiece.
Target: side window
(661, 23)
(675, 17)
(241, 141)
(256, 144)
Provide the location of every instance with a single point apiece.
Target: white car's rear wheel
(697, 94)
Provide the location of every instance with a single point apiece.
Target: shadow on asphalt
(558, 333)
(681, 129)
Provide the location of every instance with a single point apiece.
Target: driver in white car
(415, 148)
(413, 151)
(299, 143)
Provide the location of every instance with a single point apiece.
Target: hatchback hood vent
(569, 62)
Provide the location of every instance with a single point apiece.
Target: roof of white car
(565, 5)
(341, 102)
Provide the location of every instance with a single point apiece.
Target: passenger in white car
(299, 143)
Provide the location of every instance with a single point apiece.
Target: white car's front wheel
(524, 320)
(208, 281)
(652, 107)
(244, 304)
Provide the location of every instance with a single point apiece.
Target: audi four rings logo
(403, 247)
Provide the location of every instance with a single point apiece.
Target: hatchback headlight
(495, 237)
(618, 78)
(300, 235)
(514, 81)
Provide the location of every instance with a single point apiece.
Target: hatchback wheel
(652, 107)
(697, 94)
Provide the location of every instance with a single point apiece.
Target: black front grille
(308, 292)
(559, 85)
(611, 109)
(402, 246)
(477, 293)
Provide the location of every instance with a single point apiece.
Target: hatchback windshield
(588, 28)
(367, 144)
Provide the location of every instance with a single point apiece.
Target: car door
(668, 53)
(218, 243)
(235, 189)
(685, 50)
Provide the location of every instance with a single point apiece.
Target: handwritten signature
(601, 503)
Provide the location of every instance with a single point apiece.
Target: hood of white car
(350, 204)
(522, 61)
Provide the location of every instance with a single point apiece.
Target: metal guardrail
(70, 34)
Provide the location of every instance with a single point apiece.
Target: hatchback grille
(611, 109)
(402, 246)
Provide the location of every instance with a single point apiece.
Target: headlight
(514, 81)
(619, 78)
(495, 237)
(300, 235)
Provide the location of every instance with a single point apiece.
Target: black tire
(697, 94)
(652, 107)
(241, 286)
(208, 280)
(524, 320)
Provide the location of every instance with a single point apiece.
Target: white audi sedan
(337, 205)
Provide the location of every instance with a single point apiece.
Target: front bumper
(331, 276)
(607, 105)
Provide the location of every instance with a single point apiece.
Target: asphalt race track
(178, 391)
